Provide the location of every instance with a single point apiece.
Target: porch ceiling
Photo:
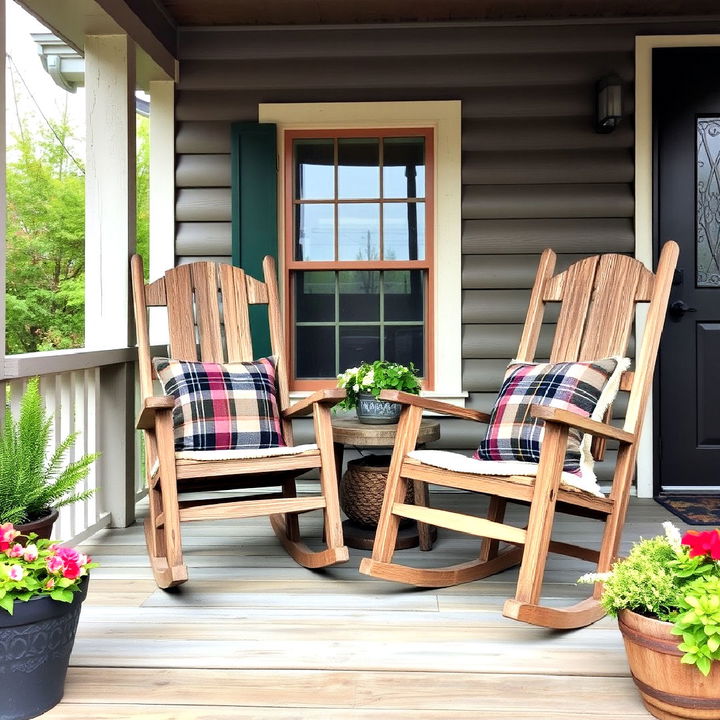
(306, 12)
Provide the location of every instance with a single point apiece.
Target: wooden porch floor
(253, 636)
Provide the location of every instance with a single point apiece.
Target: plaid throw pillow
(222, 407)
(585, 388)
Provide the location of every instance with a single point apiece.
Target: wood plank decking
(254, 636)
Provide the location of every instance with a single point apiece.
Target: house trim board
(644, 45)
(445, 117)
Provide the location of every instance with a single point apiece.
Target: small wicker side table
(348, 431)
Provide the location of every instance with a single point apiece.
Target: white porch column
(162, 191)
(110, 202)
(110, 223)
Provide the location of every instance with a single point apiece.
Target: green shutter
(254, 211)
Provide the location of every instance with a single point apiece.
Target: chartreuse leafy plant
(31, 483)
(676, 580)
(374, 377)
(33, 567)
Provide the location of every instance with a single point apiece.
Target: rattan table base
(362, 537)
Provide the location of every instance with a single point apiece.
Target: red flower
(71, 571)
(703, 543)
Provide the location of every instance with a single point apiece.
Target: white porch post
(110, 224)
(162, 190)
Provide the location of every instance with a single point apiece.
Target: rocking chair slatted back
(598, 296)
(208, 318)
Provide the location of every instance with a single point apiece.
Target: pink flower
(50, 584)
(16, 573)
(54, 564)
(15, 551)
(68, 555)
(703, 543)
(7, 534)
(31, 553)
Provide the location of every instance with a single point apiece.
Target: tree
(45, 238)
(142, 243)
(45, 242)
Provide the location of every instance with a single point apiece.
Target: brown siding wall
(534, 172)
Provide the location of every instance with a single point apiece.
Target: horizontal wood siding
(534, 173)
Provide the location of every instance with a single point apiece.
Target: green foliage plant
(674, 579)
(374, 377)
(31, 482)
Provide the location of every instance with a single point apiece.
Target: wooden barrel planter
(669, 689)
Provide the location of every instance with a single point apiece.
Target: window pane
(359, 296)
(404, 344)
(315, 296)
(708, 203)
(314, 169)
(358, 231)
(358, 345)
(404, 295)
(314, 232)
(404, 231)
(315, 352)
(358, 168)
(404, 167)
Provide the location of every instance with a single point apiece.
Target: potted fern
(34, 483)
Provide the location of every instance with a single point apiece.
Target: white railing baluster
(70, 386)
(91, 384)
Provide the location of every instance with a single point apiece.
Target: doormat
(693, 509)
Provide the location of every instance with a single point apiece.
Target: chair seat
(461, 463)
(205, 455)
(192, 457)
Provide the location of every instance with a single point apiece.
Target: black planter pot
(35, 646)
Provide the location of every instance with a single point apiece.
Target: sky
(26, 65)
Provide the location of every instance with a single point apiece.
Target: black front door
(686, 112)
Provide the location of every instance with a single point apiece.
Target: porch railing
(92, 392)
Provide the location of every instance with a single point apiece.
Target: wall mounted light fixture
(608, 110)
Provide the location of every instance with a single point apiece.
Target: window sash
(291, 265)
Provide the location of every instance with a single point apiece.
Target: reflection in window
(355, 316)
(404, 167)
(358, 168)
(314, 169)
(359, 205)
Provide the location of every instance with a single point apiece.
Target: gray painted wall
(535, 174)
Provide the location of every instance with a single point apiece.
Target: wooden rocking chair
(598, 297)
(207, 305)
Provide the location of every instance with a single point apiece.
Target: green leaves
(699, 622)
(29, 484)
(45, 242)
(660, 579)
(375, 377)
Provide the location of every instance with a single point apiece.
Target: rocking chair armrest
(434, 405)
(150, 407)
(593, 427)
(305, 406)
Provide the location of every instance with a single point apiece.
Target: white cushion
(206, 455)
(462, 463)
